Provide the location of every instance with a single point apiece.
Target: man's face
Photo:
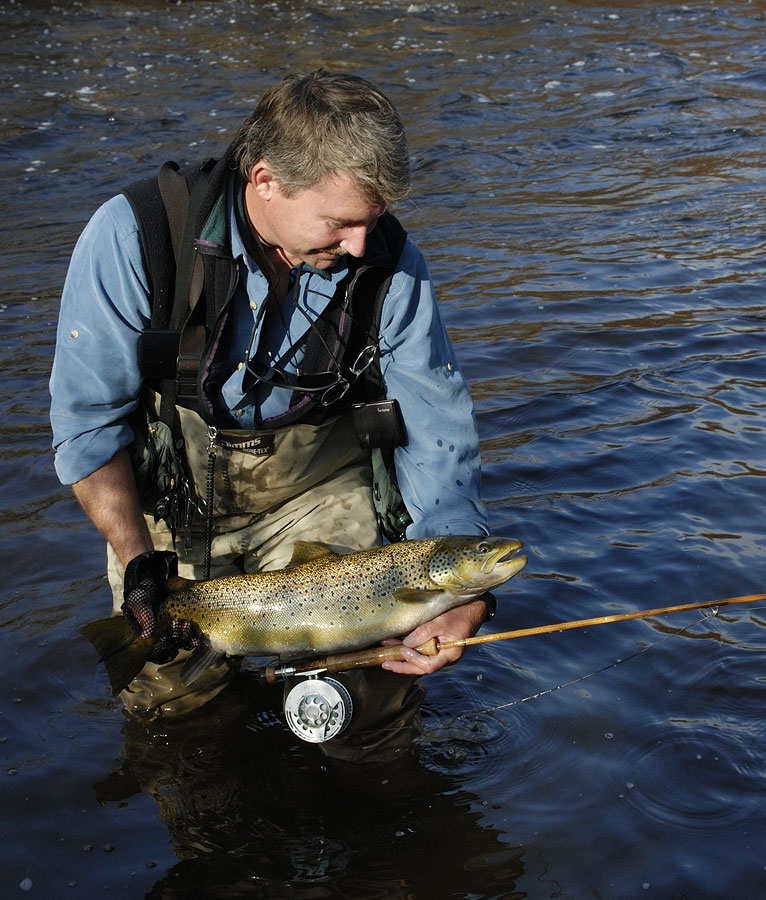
(317, 225)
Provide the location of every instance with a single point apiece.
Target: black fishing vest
(192, 276)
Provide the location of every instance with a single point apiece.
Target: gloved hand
(145, 587)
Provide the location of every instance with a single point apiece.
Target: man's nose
(355, 240)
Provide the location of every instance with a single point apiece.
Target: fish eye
(484, 547)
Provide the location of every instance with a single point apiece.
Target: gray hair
(312, 126)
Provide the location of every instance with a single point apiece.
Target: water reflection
(250, 812)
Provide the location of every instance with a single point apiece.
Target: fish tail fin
(120, 648)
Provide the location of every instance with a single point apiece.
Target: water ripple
(682, 775)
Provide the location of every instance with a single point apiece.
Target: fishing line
(707, 613)
(598, 671)
(708, 610)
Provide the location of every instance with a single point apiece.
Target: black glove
(145, 587)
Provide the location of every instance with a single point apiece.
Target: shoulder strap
(156, 244)
(175, 196)
(385, 246)
(375, 271)
(182, 207)
(167, 212)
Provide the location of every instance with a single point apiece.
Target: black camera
(379, 424)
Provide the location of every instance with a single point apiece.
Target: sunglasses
(331, 386)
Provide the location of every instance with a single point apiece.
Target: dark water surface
(589, 190)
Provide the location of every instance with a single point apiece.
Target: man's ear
(263, 179)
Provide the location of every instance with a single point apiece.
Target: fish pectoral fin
(416, 595)
(306, 551)
(201, 659)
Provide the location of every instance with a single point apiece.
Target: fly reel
(318, 709)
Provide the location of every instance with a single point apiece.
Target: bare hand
(454, 625)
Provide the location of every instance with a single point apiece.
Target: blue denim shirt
(95, 380)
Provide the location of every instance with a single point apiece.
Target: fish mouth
(512, 566)
(506, 559)
(509, 554)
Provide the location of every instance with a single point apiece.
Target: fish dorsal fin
(307, 551)
(416, 595)
(176, 583)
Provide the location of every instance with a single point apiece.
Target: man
(295, 217)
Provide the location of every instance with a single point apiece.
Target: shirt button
(239, 413)
(240, 366)
(253, 304)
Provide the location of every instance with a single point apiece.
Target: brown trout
(323, 602)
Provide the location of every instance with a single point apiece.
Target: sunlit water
(589, 190)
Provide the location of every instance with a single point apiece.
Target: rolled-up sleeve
(439, 468)
(95, 379)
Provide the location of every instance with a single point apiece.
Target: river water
(589, 191)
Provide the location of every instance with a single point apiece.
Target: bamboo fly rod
(375, 656)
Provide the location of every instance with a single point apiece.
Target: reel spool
(318, 709)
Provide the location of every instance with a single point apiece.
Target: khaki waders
(299, 483)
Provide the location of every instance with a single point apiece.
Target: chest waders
(233, 500)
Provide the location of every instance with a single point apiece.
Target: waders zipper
(212, 433)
